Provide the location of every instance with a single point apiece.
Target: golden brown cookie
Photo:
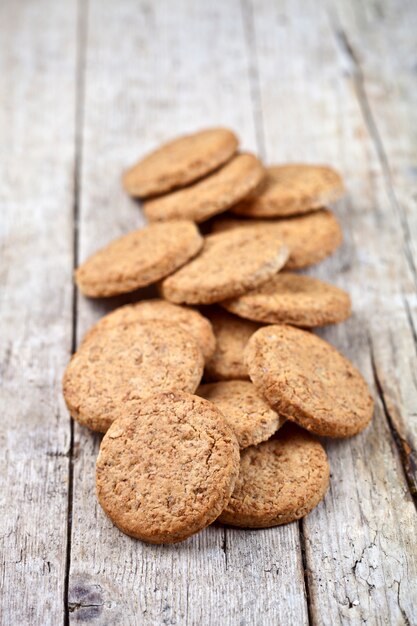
(232, 334)
(180, 162)
(292, 299)
(167, 470)
(119, 366)
(292, 189)
(189, 319)
(308, 381)
(214, 194)
(248, 415)
(279, 481)
(309, 238)
(140, 258)
(229, 264)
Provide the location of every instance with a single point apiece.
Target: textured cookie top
(248, 415)
(180, 162)
(307, 380)
(229, 264)
(292, 299)
(138, 259)
(293, 189)
(146, 310)
(209, 196)
(232, 335)
(116, 368)
(279, 481)
(309, 238)
(168, 470)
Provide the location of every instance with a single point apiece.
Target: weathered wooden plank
(388, 98)
(175, 70)
(37, 113)
(360, 550)
(379, 41)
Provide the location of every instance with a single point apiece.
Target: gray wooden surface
(86, 87)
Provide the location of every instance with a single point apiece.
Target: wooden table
(87, 87)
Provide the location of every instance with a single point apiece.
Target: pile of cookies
(210, 411)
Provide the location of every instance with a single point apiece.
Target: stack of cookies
(210, 395)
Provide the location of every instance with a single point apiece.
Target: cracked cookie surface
(292, 299)
(116, 368)
(293, 189)
(248, 415)
(308, 381)
(229, 264)
(180, 162)
(279, 481)
(210, 196)
(167, 471)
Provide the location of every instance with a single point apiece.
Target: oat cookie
(138, 259)
(115, 369)
(229, 264)
(214, 194)
(309, 238)
(180, 162)
(232, 334)
(279, 481)
(167, 470)
(248, 415)
(292, 299)
(189, 319)
(308, 381)
(292, 189)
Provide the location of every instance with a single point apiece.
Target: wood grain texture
(84, 91)
(360, 557)
(388, 100)
(37, 130)
(174, 71)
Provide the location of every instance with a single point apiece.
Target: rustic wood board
(37, 155)
(355, 565)
(298, 80)
(388, 104)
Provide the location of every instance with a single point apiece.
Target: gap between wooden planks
(37, 130)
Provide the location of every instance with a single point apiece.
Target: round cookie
(189, 319)
(248, 415)
(279, 481)
(229, 264)
(167, 470)
(309, 238)
(292, 299)
(232, 334)
(308, 381)
(115, 369)
(139, 258)
(180, 162)
(292, 189)
(214, 194)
